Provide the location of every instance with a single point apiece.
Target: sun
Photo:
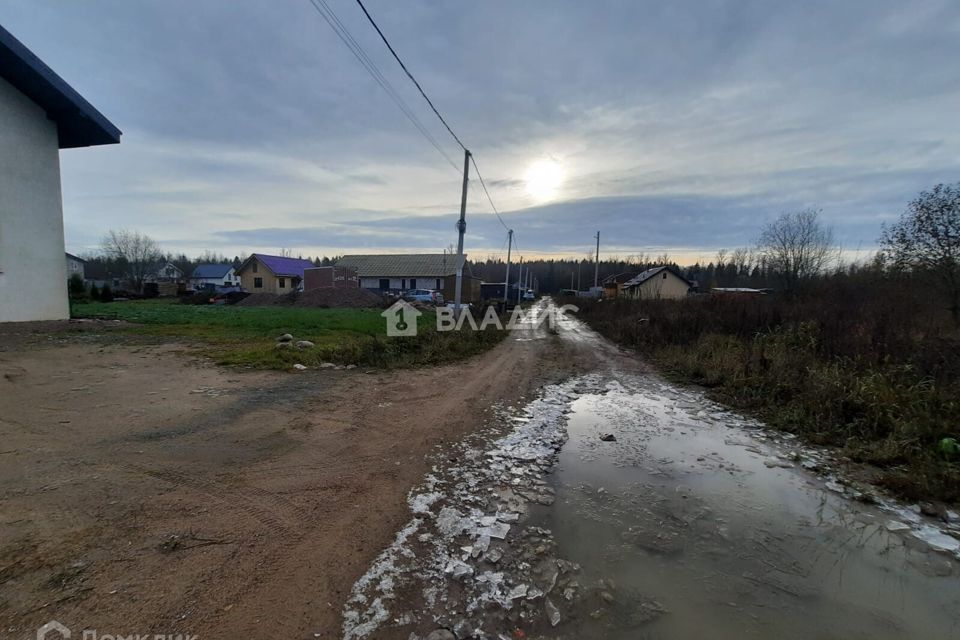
(543, 179)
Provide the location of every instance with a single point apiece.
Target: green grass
(234, 335)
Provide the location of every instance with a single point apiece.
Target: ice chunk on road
(518, 591)
(458, 568)
(937, 539)
(498, 530)
(553, 614)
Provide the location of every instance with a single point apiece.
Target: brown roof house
(613, 285)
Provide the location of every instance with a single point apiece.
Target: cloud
(680, 127)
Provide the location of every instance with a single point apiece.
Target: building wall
(469, 289)
(660, 288)
(218, 282)
(429, 282)
(74, 266)
(33, 273)
(229, 279)
(330, 277)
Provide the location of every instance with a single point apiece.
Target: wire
(484, 185)
(399, 100)
(357, 50)
(409, 75)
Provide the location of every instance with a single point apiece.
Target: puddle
(725, 535)
(619, 506)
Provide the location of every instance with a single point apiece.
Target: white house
(164, 272)
(39, 115)
(75, 265)
(401, 272)
(218, 275)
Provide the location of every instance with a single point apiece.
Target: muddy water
(683, 521)
(691, 508)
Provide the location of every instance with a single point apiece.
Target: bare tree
(797, 247)
(927, 238)
(137, 251)
(637, 260)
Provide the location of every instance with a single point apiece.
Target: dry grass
(870, 365)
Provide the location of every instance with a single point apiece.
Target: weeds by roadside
(876, 372)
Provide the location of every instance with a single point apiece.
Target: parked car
(424, 295)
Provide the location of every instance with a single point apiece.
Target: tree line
(789, 254)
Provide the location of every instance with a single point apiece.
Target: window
(384, 284)
(438, 284)
(258, 283)
(413, 283)
(282, 283)
(664, 275)
(403, 283)
(254, 266)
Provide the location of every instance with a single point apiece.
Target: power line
(357, 50)
(484, 185)
(378, 76)
(409, 75)
(423, 93)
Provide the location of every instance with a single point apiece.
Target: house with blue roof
(215, 275)
(40, 114)
(262, 273)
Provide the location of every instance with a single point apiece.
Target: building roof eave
(79, 124)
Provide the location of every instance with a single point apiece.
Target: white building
(218, 275)
(39, 115)
(401, 272)
(75, 265)
(164, 272)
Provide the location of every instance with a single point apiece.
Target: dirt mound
(259, 300)
(334, 299)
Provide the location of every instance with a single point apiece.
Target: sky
(669, 127)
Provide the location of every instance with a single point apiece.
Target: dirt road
(143, 491)
(552, 486)
(616, 505)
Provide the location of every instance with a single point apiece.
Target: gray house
(401, 271)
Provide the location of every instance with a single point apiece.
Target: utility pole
(596, 265)
(519, 279)
(461, 229)
(506, 279)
